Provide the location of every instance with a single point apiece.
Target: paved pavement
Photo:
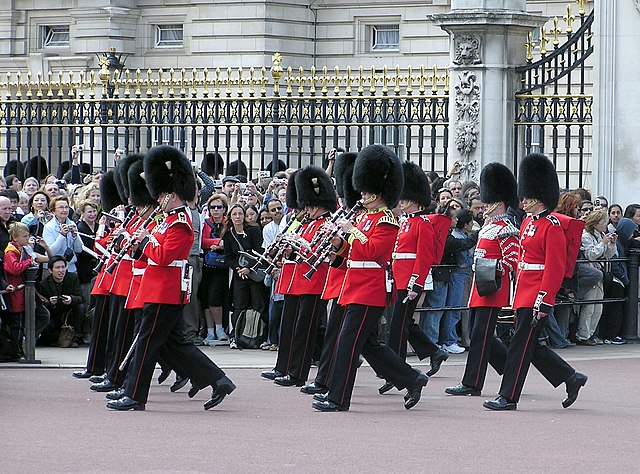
(55, 423)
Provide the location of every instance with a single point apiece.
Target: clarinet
(323, 249)
(130, 243)
(284, 242)
(112, 244)
(334, 218)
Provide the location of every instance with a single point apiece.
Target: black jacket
(70, 286)
(251, 240)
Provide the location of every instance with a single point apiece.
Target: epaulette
(553, 219)
(508, 230)
(181, 218)
(388, 218)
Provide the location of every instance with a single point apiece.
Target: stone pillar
(487, 44)
(616, 149)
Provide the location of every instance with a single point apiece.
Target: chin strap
(530, 205)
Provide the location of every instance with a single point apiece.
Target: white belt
(362, 264)
(403, 256)
(530, 266)
(138, 271)
(127, 257)
(175, 263)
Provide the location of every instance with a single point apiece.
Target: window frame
(47, 31)
(159, 43)
(374, 46)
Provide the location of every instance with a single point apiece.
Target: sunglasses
(274, 209)
(216, 207)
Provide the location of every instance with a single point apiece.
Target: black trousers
(287, 328)
(304, 336)
(485, 347)
(525, 350)
(358, 335)
(162, 324)
(124, 335)
(334, 323)
(116, 303)
(96, 358)
(403, 328)
(612, 313)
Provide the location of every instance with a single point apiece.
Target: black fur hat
(498, 184)
(537, 179)
(280, 166)
(237, 168)
(138, 192)
(167, 170)
(416, 185)
(14, 167)
(291, 198)
(209, 162)
(122, 174)
(378, 170)
(315, 189)
(109, 196)
(31, 170)
(63, 168)
(343, 171)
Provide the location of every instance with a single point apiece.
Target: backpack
(250, 330)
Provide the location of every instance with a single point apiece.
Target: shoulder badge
(508, 230)
(553, 219)
(388, 218)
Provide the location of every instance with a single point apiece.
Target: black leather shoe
(462, 390)
(573, 383)
(179, 383)
(500, 404)
(106, 386)
(385, 388)
(116, 394)
(288, 381)
(97, 378)
(415, 391)
(223, 387)
(328, 405)
(272, 374)
(436, 361)
(124, 404)
(321, 397)
(314, 388)
(82, 374)
(164, 375)
(193, 391)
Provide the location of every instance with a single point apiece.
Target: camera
(62, 184)
(79, 147)
(243, 186)
(217, 183)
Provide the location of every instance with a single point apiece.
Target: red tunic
(284, 283)
(542, 242)
(299, 284)
(167, 249)
(371, 242)
(123, 273)
(414, 252)
(499, 240)
(139, 266)
(103, 280)
(335, 279)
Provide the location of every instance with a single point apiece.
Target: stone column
(616, 149)
(487, 44)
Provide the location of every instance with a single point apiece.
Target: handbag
(250, 330)
(246, 260)
(213, 258)
(67, 333)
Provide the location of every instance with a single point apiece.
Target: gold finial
(289, 80)
(183, 79)
(205, 83)
(312, 79)
(423, 69)
(229, 81)
(556, 32)
(336, 80)
(434, 80)
(276, 71)
(409, 80)
(325, 80)
(530, 46)
(360, 80)
(397, 79)
(581, 3)
(349, 80)
(160, 83)
(446, 81)
(148, 92)
(373, 82)
(385, 79)
(138, 92)
(543, 41)
(301, 80)
(172, 82)
(569, 18)
(216, 83)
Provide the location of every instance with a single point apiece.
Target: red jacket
(335, 279)
(413, 254)
(499, 240)
(370, 242)
(103, 280)
(542, 242)
(299, 284)
(167, 249)
(123, 273)
(15, 262)
(139, 267)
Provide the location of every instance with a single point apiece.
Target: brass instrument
(324, 247)
(112, 244)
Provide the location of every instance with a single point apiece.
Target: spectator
(87, 260)
(455, 187)
(469, 190)
(568, 204)
(5, 220)
(264, 217)
(13, 182)
(615, 214)
(14, 199)
(30, 186)
(23, 203)
(38, 213)
(215, 279)
(251, 216)
(600, 203)
(51, 189)
(584, 209)
(246, 293)
(269, 233)
(61, 233)
(60, 293)
(633, 212)
(91, 192)
(229, 185)
(596, 245)
(3, 184)
(476, 207)
(442, 197)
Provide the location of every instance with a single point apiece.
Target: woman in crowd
(615, 214)
(264, 217)
(87, 261)
(30, 186)
(61, 233)
(251, 216)
(246, 293)
(38, 213)
(442, 197)
(215, 278)
(596, 245)
(92, 192)
(13, 182)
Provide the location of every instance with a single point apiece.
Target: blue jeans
(455, 296)
(436, 298)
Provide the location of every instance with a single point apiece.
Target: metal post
(630, 322)
(30, 275)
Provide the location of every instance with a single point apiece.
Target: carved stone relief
(467, 105)
(467, 49)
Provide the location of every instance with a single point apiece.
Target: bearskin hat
(280, 166)
(237, 168)
(121, 177)
(315, 189)
(138, 192)
(378, 170)
(167, 170)
(416, 185)
(31, 170)
(343, 171)
(498, 184)
(63, 168)
(212, 164)
(109, 196)
(537, 179)
(14, 167)
(291, 198)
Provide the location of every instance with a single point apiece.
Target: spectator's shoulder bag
(213, 258)
(67, 333)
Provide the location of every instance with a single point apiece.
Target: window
(55, 36)
(168, 135)
(385, 37)
(169, 36)
(391, 136)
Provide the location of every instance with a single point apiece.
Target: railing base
(30, 361)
